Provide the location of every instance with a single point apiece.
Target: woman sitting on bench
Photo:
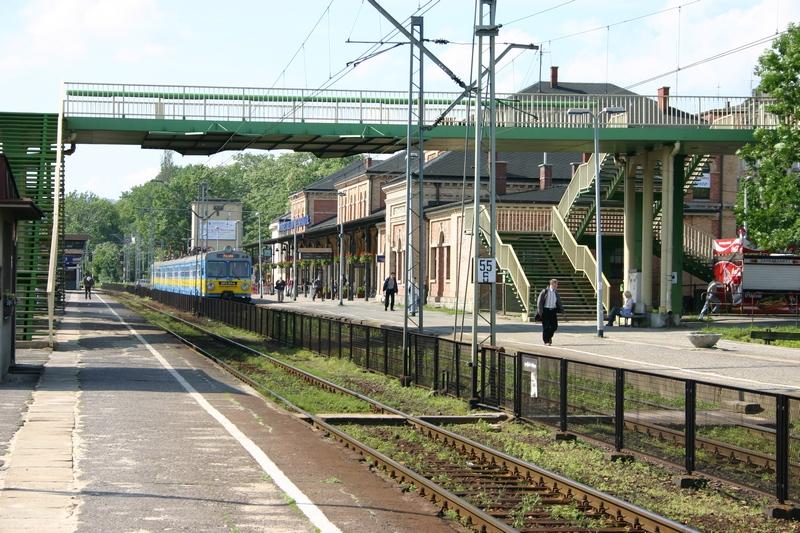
(626, 311)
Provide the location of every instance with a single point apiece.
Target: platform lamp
(609, 110)
(341, 194)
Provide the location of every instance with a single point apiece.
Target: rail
(518, 110)
(555, 391)
(580, 256)
(533, 475)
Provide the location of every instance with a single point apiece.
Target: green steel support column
(636, 253)
(677, 235)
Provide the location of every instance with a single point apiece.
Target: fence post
(619, 410)
(689, 426)
(385, 351)
(350, 343)
(483, 375)
(563, 394)
(458, 370)
(366, 349)
(319, 334)
(518, 385)
(340, 339)
(782, 448)
(436, 364)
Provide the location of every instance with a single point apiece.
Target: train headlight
(245, 286)
(210, 285)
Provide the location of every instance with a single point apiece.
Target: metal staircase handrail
(696, 243)
(581, 180)
(506, 258)
(580, 256)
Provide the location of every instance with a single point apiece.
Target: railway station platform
(125, 429)
(665, 351)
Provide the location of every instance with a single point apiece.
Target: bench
(768, 336)
(633, 321)
(638, 318)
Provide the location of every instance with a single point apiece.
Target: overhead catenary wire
(551, 8)
(459, 244)
(708, 59)
(302, 44)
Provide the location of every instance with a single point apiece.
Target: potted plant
(361, 291)
(366, 258)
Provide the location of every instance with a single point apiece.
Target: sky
(304, 44)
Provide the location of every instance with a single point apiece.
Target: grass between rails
(719, 508)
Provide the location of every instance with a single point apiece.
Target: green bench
(768, 336)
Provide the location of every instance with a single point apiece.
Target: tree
(774, 191)
(85, 212)
(106, 264)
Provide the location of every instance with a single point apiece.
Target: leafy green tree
(85, 212)
(270, 179)
(774, 191)
(106, 264)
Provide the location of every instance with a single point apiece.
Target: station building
(366, 202)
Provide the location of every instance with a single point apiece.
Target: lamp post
(260, 260)
(341, 249)
(294, 261)
(609, 110)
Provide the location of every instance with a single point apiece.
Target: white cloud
(72, 31)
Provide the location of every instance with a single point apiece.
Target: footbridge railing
(183, 102)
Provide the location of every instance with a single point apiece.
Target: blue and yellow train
(226, 274)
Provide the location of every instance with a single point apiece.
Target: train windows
(216, 269)
(240, 269)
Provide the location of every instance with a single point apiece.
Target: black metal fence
(749, 437)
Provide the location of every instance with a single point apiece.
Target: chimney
(367, 162)
(663, 99)
(553, 77)
(501, 175)
(545, 176)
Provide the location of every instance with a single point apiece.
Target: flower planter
(704, 340)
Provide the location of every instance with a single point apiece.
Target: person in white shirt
(626, 311)
(548, 307)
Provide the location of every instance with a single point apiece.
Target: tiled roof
(568, 87)
(327, 183)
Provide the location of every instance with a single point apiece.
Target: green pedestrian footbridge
(203, 120)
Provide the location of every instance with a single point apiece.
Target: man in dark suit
(389, 290)
(548, 307)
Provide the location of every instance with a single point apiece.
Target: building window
(702, 187)
(446, 262)
(433, 271)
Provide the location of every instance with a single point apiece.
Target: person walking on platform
(88, 283)
(548, 307)
(389, 290)
(317, 289)
(280, 285)
(626, 311)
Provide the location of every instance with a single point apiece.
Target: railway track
(492, 491)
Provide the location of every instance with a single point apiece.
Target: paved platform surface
(665, 351)
(126, 430)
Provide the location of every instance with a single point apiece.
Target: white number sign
(487, 272)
